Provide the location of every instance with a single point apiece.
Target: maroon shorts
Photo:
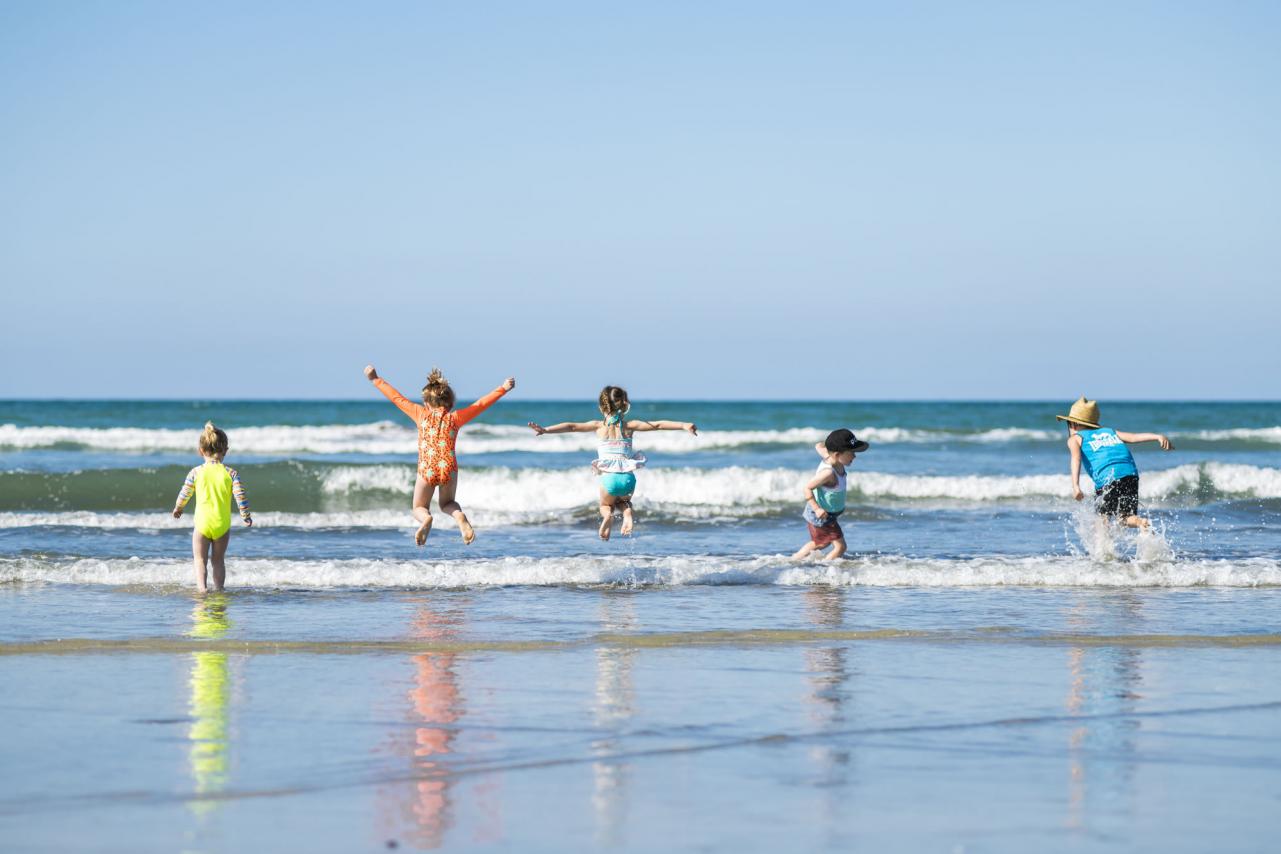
(829, 533)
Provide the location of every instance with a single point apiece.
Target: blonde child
(438, 425)
(825, 493)
(214, 485)
(1107, 461)
(616, 461)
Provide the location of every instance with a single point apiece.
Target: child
(214, 485)
(825, 493)
(438, 426)
(616, 461)
(1107, 461)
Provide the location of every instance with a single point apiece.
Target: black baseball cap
(844, 440)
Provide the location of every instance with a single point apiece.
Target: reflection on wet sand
(1102, 682)
(210, 697)
(426, 814)
(614, 706)
(829, 676)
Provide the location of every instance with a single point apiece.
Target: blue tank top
(1105, 457)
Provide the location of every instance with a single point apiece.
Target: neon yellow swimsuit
(214, 485)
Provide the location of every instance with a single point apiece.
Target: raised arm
(404, 404)
(646, 426)
(184, 494)
(567, 427)
(242, 500)
(467, 413)
(1139, 438)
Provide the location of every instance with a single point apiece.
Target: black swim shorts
(1119, 497)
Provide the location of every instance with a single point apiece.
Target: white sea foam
(398, 437)
(736, 486)
(872, 571)
(499, 496)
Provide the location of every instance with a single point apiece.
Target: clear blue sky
(881, 200)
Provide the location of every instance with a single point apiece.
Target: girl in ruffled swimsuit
(616, 461)
(438, 425)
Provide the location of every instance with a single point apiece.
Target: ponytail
(213, 442)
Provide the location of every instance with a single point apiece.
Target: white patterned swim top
(616, 455)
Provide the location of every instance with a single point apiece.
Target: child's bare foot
(420, 536)
(468, 532)
(605, 525)
(628, 522)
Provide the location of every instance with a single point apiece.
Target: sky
(694, 200)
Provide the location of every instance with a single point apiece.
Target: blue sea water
(983, 671)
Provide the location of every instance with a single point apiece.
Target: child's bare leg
(838, 549)
(422, 509)
(628, 521)
(1136, 522)
(199, 553)
(449, 505)
(805, 551)
(606, 514)
(217, 560)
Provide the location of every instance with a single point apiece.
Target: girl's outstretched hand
(509, 383)
(693, 428)
(537, 428)
(370, 373)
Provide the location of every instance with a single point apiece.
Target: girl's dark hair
(613, 400)
(213, 442)
(437, 392)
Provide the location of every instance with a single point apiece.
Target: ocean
(981, 672)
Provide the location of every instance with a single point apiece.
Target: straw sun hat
(1083, 412)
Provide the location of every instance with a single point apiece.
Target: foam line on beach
(664, 640)
(653, 571)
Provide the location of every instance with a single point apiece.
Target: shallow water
(978, 675)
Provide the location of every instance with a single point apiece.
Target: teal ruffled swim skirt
(618, 484)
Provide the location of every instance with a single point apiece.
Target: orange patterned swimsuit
(437, 430)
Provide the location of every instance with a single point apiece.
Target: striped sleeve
(238, 492)
(188, 489)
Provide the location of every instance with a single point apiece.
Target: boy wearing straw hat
(1107, 461)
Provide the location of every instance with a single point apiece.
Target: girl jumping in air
(214, 486)
(616, 461)
(438, 426)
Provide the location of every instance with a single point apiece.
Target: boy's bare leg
(422, 509)
(628, 520)
(453, 508)
(217, 560)
(199, 551)
(1136, 522)
(606, 514)
(838, 549)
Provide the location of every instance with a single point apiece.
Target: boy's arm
(820, 449)
(404, 404)
(184, 494)
(567, 427)
(646, 426)
(242, 500)
(1139, 438)
(828, 479)
(1074, 449)
(467, 413)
